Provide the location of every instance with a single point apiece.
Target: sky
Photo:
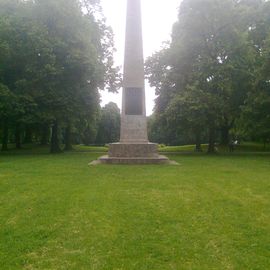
(158, 17)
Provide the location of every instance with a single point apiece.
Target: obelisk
(134, 147)
(133, 118)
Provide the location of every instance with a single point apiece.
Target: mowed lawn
(210, 212)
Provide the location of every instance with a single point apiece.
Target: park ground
(209, 212)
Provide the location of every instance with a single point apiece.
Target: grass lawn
(210, 212)
(242, 148)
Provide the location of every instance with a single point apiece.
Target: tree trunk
(28, 135)
(55, 146)
(18, 136)
(211, 145)
(5, 135)
(225, 135)
(198, 147)
(68, 144)
(45, 134)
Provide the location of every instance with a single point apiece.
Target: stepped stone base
(129, 160)
(133, 153)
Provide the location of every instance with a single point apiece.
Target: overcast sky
(158, 18)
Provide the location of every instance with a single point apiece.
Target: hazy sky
(158, 18)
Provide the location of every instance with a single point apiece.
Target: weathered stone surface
(133, 126)
(131, 161)
(133, 129)
(127, 150)
(134, 60)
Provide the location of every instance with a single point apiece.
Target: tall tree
(255, 120)
(55, 56)
(208, 67)
(21, 39)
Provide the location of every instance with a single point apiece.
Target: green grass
(96, 149)
(210, 212)
(244, 147)
(37, 149)
(182, 148)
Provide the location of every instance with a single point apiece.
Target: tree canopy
(55, 56)
(207, 76)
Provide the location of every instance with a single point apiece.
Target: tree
(19, 42)
(109, 125)
(6, 107)
(206, 75)
(255, 119)
(188, 112)
(55, 56)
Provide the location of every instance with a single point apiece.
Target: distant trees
(109, 124)
(207, 77)
(54, 57)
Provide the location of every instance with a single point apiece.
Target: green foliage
(254, 121)
(109, 124)
(204, 77)
(7, 99)
(54, 58)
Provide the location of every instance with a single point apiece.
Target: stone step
(134, 160)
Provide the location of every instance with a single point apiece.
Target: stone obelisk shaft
(134, 61)
(133, 118)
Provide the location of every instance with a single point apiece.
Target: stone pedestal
(136, 150)
(133, 153)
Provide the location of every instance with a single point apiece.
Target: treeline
(106, 129)
(54, 57)
(213, 78)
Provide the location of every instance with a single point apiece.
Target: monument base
(133, 153)
(133, 150)
(129, 160)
